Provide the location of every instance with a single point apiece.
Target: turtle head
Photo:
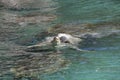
(56, 40)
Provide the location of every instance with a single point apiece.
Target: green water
(101, 63)
(89, 10)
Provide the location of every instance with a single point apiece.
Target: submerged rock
(27, 18)
(33, 65)
(27, 4)
(80, 30)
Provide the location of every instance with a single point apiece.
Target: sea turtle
(56, 43)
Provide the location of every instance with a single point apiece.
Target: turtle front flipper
(40, 48)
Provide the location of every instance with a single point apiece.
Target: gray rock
(27, 4)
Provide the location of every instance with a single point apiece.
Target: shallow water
(89, 10)
(20, 28)
(101, 64)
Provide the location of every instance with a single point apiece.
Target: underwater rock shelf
(33, 65)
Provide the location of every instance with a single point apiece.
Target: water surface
(23, 27)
